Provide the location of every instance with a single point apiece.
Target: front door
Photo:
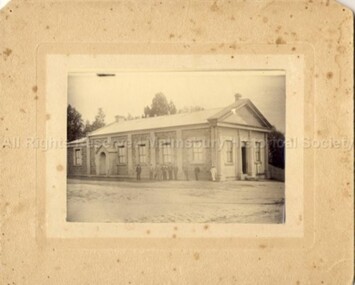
(102, 163)
(244, 159)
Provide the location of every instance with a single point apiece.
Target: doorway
(244, 159)
(102, 163)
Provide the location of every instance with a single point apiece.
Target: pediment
(105, 148)
(243, 116)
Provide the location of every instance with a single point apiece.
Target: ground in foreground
(175, 201)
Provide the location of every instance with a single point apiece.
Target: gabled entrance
(102, 164)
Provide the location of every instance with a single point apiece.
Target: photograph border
(52, 223)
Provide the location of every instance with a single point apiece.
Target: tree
(75, 126)
(160, 106)
(276, 142)
(99, 122)
(191, 109)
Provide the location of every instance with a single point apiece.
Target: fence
(277, 173)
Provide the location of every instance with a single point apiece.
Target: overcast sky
(130, 92)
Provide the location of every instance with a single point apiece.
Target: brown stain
(174, 236)
(280, 41)
(47, 27)
(34, 88)
(22, 110)
(171, 36)
(118, 261)
(35, 98)
(293, 49)
(175, 228)
(148, 232)
(214, 7)
(232, 18)
(341, 49)
(278, 29)
(233, 46)
(206, 227)
(265, 20)
(329, 75)
(196, 256)
(300, 218)
(7, 52)
(60, 167)
(262, 246)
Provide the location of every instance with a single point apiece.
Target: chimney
(237, 96)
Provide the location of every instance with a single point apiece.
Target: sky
(129, 92)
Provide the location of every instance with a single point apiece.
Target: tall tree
(99, 120)
(75, 126)
(276, 142)
(160, 106)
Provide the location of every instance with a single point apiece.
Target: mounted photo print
(178, 158)
(176, 142)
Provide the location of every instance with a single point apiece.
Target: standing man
(165, 172)
(176, 169)
(197, 172)
(170, 171)
(138, 171)
(151, 172)
(158, 172)
(186, 172)
(213, 171)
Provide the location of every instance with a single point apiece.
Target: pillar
(266, 150)
(88, 162)
(239, 161)
(179, 148)
(152, 146)
(219, 148)
(130, 155)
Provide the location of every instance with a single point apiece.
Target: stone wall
(188, 136)
(76, 170)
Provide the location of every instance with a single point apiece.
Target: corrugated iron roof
(78, 141)
(183, 119)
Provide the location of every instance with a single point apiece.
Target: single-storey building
(232, 139)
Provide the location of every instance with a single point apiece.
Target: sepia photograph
(176, 146)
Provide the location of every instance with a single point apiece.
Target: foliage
(160, 106)
(99, 122)
(276, 142)
(75, 126)
(191, 109)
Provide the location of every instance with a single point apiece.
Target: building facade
(232, 139)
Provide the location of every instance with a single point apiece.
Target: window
(121, 154)
(197, 151)
(167, 152)
(229, 151)
(258, 151)
(142, 153)
(77, 157)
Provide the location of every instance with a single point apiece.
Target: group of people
(170, 172)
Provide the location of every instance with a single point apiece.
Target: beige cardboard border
(54, 65)
(322, 31)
